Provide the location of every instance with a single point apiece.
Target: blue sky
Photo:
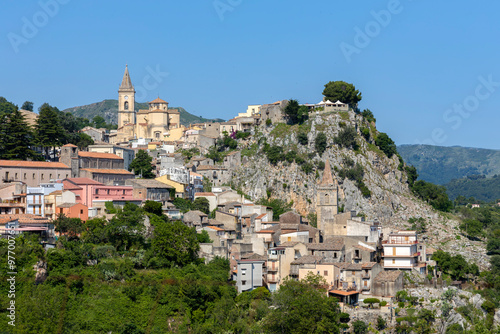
(413, 60)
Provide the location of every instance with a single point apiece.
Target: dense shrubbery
(386, 144)
(320, 143)
(347, 138)
(355, 173)
(433, 194)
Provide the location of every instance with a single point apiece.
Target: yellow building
(180, 188)
(155, 123)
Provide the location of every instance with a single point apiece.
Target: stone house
(150, 190)
(195, 218)
(127, 154)
(273, 111)
(13, 198)
(217, 174)
(97, 135)
(332, 251)
(387, 283)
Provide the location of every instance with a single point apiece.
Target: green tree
(82, 140)
(302, 138)
(27, 105)
(182, 204)
(371, 301)
(368, 116)
(299, 307)
(320, 143)
(381, 323)
(342, 91)
(412, 174)
(174, 243)
(275, 154)
(203, 237)
(347, 138)
(359, 327)
(141, 165)
(49, 132)
(386, 144)
(16, 137)
(202, 204)
(68, 226)
(153, 207)
(126, 228)
(99, 122)
(296, 113)
(95, 231)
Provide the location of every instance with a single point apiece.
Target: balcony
(272, 278)
(365, 288)
(34, 202)
(401, 256)
(365, 275)
(399, 242)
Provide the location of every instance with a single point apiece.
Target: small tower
(126, 101)
(326, 202)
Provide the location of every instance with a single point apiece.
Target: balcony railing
(399, 242)
(365, 275)
(401, 256)
(365, 288)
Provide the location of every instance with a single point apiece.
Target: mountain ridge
(108, 109)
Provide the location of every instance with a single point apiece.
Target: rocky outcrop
(391, 202)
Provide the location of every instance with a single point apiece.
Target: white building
(401, 251)
(35, 197)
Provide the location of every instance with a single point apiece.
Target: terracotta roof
(327, 179)
(266, 231)
(201, 194)
(195, 174)
(261, 216)
(308, 259)
(289, 244)
(97, 155)
(69, 145)
(32, 164)
(344, 293)
(363, 248)
(82, 180)
(388, 276)
(26, 218)
(107, 171)
(368, 265)
(216, 228)
(335, 245)
(208, 167)
(67, 205)
(253, 257)
(158, 100)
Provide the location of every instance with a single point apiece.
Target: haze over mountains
(109, 110)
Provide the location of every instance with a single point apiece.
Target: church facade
(153, 123)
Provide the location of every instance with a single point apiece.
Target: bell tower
(326, 202)
(126, 101)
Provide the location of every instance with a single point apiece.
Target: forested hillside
(482, 188)
(440, 165)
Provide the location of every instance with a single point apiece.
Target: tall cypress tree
(49, 132)
(19, 138)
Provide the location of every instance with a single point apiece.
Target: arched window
(125, 105)
(327, 199)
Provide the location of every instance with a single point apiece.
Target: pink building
(94, 194)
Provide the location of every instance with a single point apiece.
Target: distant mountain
(479, 187)
(440, 164)
(109, 110)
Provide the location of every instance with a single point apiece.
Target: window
(393, 261)
(243, 271)
(233, 257)
(125, 105)
(353, 273)
(81, 212)
(15, 175)
(42, 176)
(6, 175)
(33, 176)
(50, 176)
(244, 282)
(325, 273)
(123, 191)
(334, 255)
(25, 176)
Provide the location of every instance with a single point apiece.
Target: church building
(152, 123)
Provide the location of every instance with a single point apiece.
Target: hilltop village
(358, 258)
